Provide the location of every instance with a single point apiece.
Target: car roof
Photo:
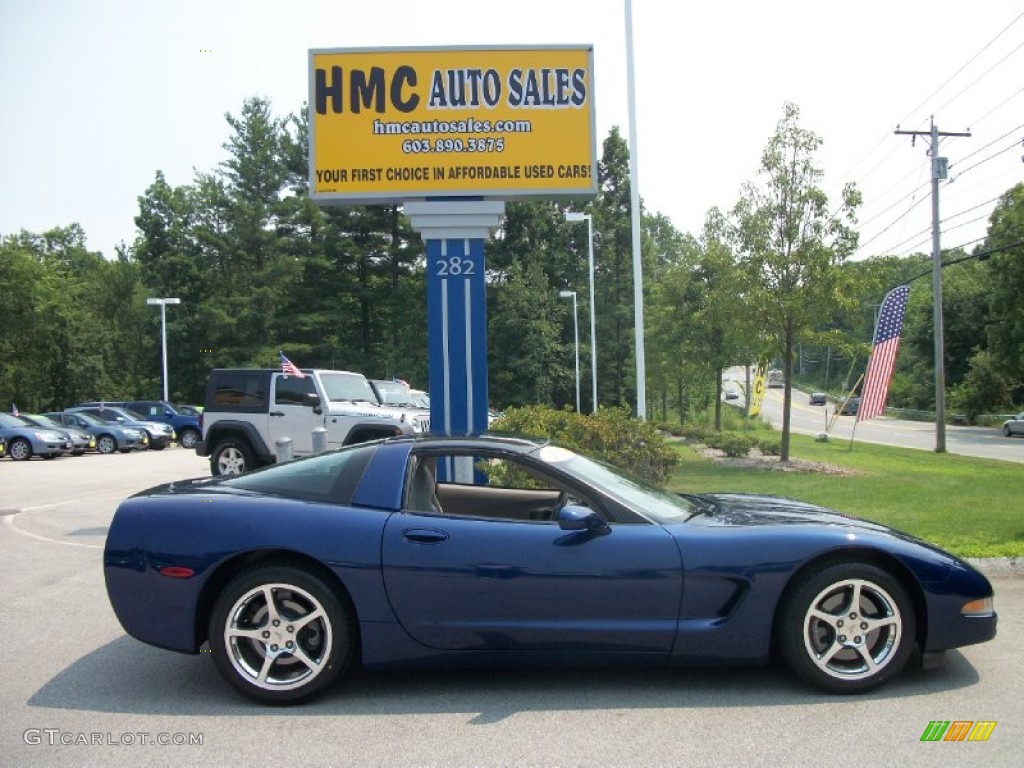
(520, 444)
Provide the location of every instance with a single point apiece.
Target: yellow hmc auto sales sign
(391, 124)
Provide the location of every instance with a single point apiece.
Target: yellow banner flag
(757, 395)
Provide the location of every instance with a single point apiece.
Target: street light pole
(163, 331)
(576, 333)
(573, 216)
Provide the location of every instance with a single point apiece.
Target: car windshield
(13, 422)
(88, 418)
(342, 387)
(393, 393)
(43, 421)
(115, 415)
(654, 503)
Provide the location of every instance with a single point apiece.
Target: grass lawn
(972, 507)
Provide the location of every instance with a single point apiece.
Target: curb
(998, 567)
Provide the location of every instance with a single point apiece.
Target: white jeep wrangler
(248, 409)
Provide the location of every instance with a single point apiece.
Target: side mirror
(313, 401)
(571, 518)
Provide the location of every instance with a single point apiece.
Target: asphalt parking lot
(77, 691)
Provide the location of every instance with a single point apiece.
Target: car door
(472, 581)
(291, 414)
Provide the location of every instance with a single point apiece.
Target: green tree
(1005, 332)
(791, 247)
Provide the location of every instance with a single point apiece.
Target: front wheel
(106, 444)
(20, 449)
(1006, 432)
(231, 457)
(188, 439)
(280, 634)
(847, 628)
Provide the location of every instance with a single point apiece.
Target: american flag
(288, 368)
(14, 409)
(883, 353)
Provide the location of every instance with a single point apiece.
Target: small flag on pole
(883, 353)
(288, 368)
(14, 409)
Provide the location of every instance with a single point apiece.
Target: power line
(895, 222)
(982, 149)
(990, 157)
(977, 79)
(945, 83)
(962, 68)
(902, 199)
(1000, 105)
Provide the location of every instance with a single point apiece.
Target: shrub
(770, 446)
(732, 444)
(611, 435)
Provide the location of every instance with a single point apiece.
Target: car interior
(509, 491)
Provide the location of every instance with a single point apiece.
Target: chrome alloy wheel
(278, 637)
(231, 461)
(852, 629)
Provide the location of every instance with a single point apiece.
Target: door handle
(424, 535)
(277, 413)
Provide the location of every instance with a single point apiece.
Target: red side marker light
(176, 571)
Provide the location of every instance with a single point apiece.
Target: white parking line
(9, 522)
(50, 506)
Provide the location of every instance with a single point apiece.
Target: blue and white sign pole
(454, 232)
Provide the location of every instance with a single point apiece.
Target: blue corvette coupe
(488, 550)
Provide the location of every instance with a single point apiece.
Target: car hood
(736, 509)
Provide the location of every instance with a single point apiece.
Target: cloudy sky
(98, 95)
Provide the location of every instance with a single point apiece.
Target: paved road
(69, 672)
(982, 442)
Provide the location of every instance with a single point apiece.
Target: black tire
(1006, 432)
(231, 457)
(188, 438)
(836, 618)
(19, 449)
(265, 646)
(106, 444)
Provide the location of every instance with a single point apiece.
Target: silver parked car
(26, 440)
(81, 441)
(109, 437)
(1014, 426)
(158, 434)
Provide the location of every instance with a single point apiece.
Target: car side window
(330, 477)
(241, 388)
(490, 487)
(289, 390)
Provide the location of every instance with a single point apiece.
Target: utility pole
(940, 171)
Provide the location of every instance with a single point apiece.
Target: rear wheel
(847, 628)
(20, 449)
(231, 457)
(280, 634)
